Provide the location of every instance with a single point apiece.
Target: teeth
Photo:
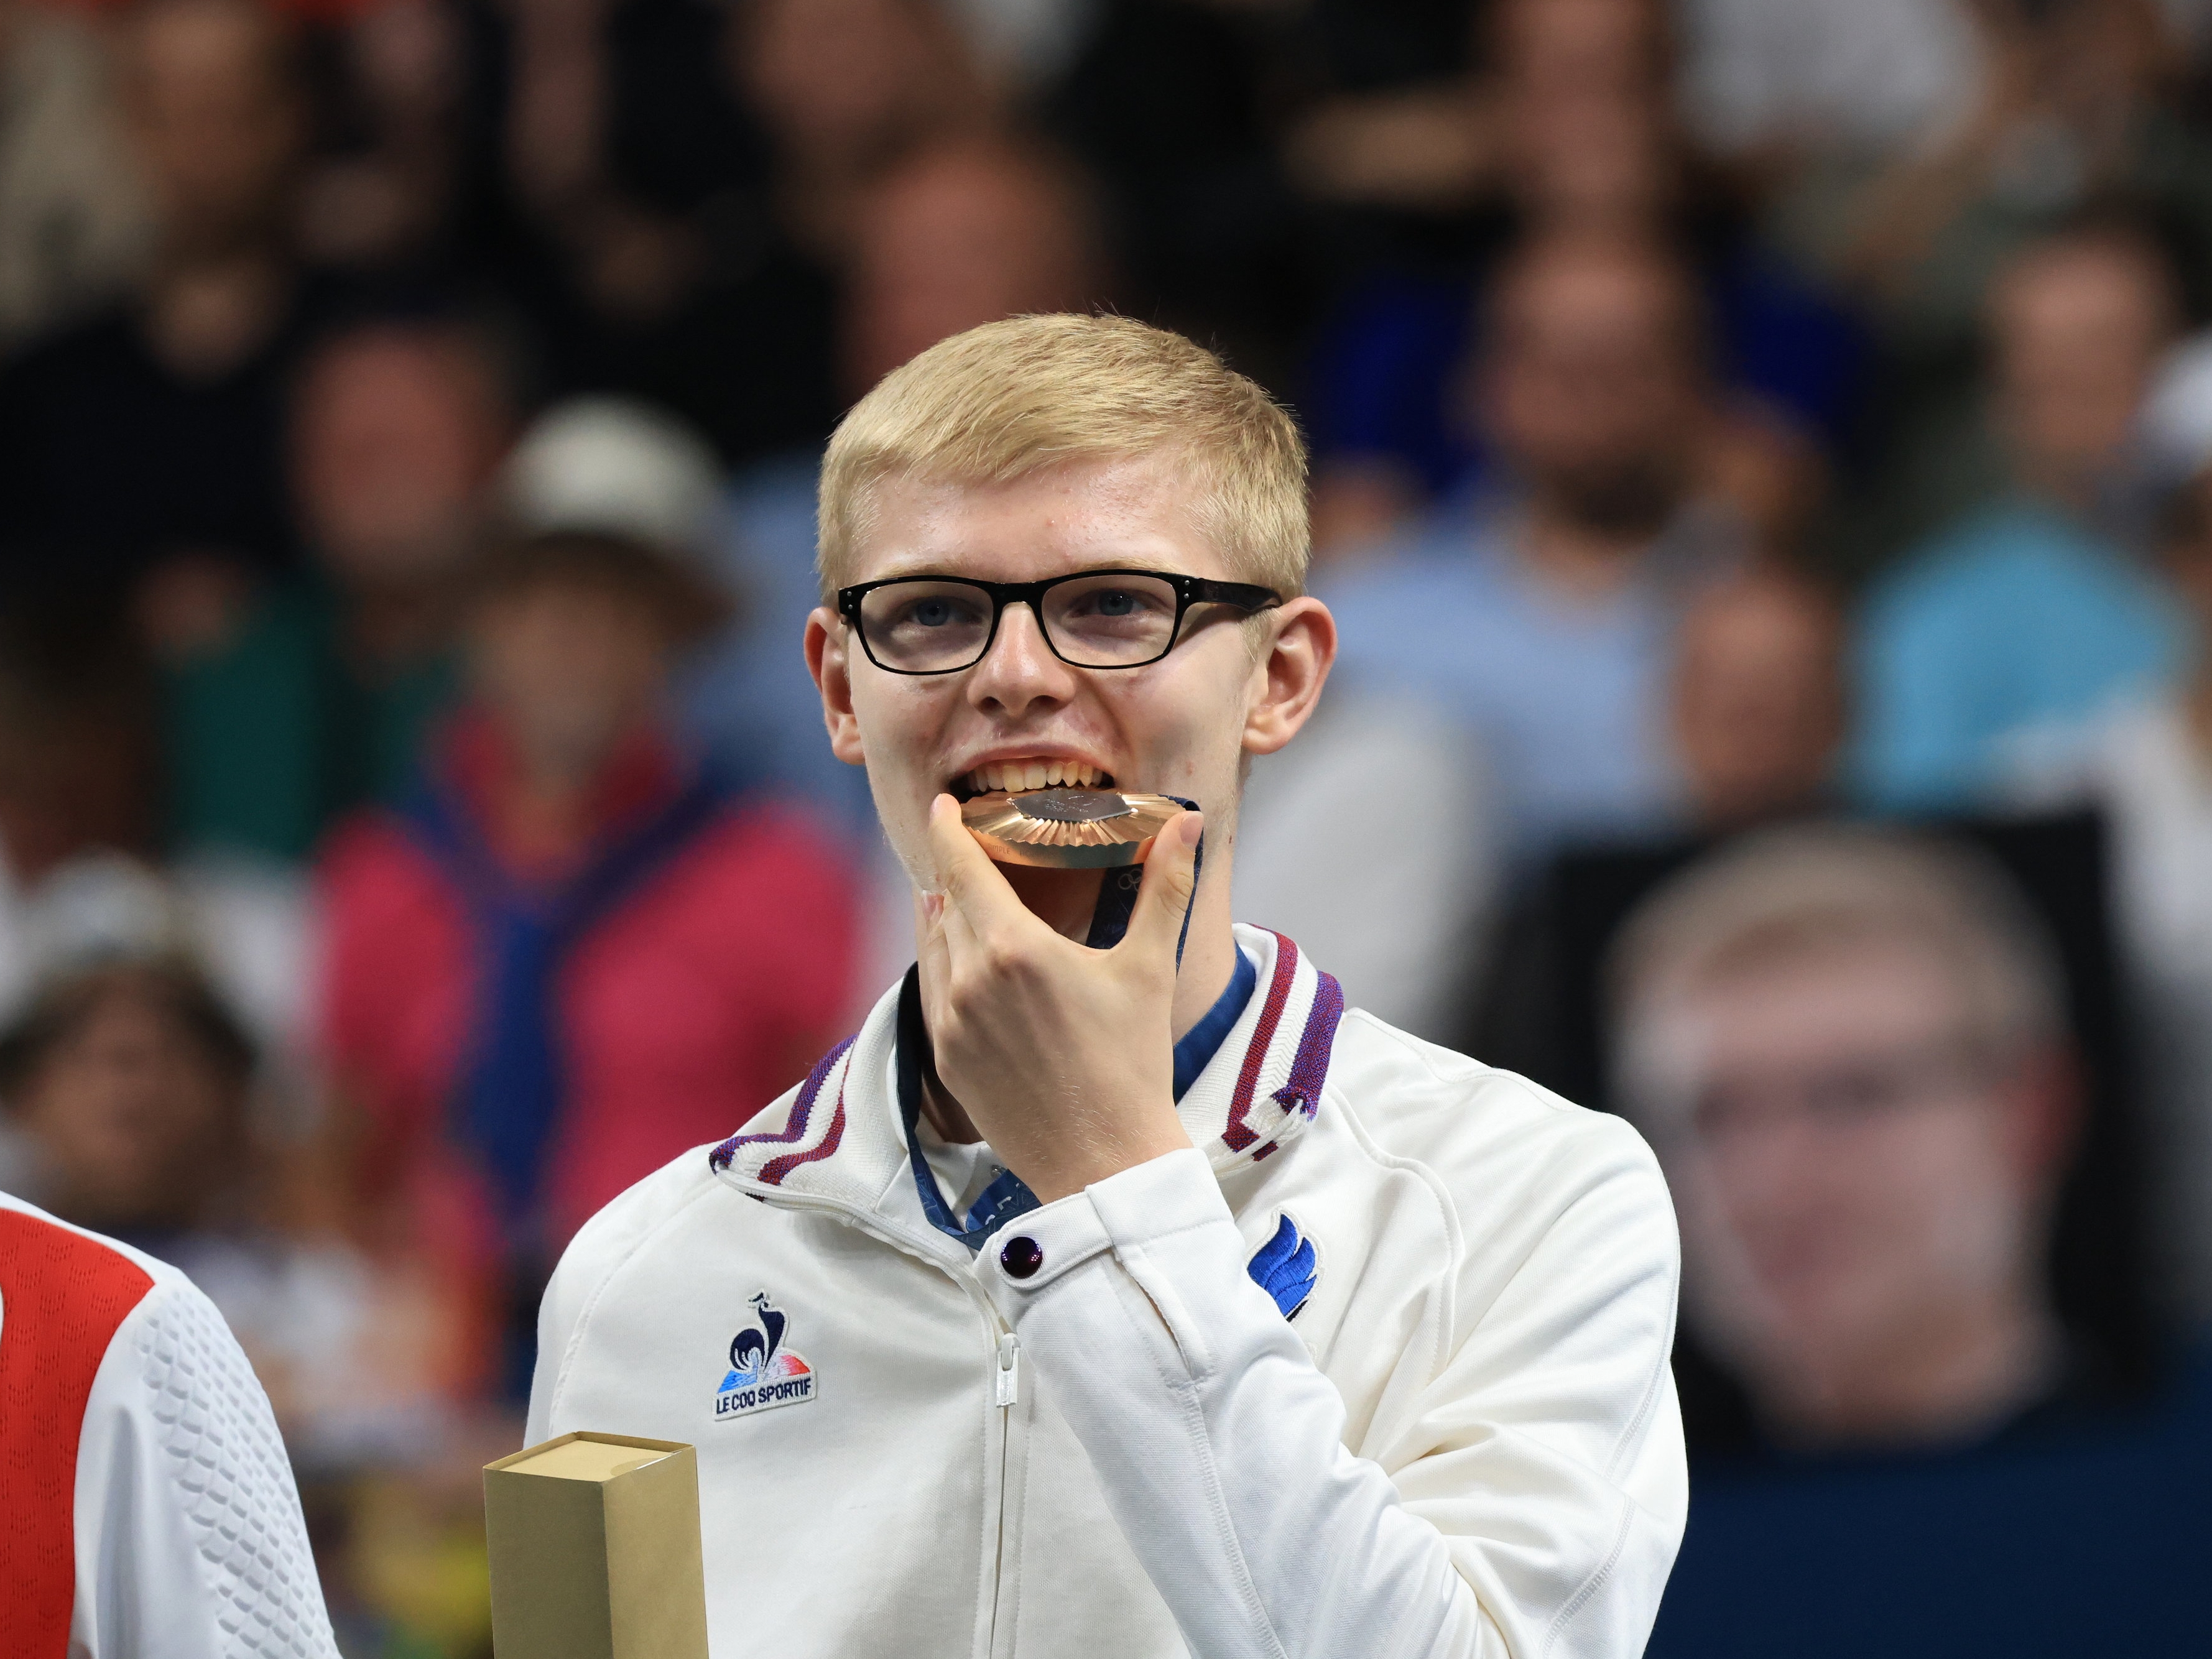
(1014, 776)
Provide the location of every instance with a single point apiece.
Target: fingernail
(1193, 826)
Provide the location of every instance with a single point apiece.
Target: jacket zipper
(1006, 1368)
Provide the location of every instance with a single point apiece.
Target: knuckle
(1004, 958)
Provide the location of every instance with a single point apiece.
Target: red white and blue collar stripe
(842, 1132)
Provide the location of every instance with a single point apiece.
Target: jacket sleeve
(1532, 1495)
(190, 1540)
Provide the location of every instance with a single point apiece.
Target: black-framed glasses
(1093, 619)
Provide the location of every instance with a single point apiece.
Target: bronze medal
(1067, 829)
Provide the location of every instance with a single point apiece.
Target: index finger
(971, 882)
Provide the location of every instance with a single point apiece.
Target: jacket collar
(840, 1138)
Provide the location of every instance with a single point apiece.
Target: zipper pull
(1009, 1383)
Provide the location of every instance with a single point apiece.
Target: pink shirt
(700, 997)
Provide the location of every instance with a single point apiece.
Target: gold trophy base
(595, 1550)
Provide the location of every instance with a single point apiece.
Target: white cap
(616, 466)
(2177, 416)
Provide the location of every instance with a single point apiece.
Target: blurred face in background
(215, 118)
(1555, 47)
(1592, 386)
(2079, 329)
(840, 79)
(1582, 91)
(1758, 697)
(1863, 1181)
(962, 236)
(569, 665)
(394, 433)
(135, 1120)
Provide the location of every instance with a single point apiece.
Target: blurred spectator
(572, 955)
(1852, 1052)
(129, 1081)
(2031, 609)
(1570, 131)
(300, 700)
(1757, 714)
(1543, 613)
(2148, 766)
(1561, 129)
(152, 433)
(961, 234)
(1758, 698)
(72, 215)
(847, 87)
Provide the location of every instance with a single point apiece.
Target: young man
(1136, 1300)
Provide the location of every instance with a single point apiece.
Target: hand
(1063, 1057)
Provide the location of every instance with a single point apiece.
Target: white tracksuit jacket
(1464, 1442)
(147, 1508)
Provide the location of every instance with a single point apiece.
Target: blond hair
(1812, 889)
(1013, 397)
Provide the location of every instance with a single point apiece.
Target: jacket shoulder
(630, 1219)
(1481, 1130)
(614, 1237)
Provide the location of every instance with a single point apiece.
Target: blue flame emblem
(1286, 1267)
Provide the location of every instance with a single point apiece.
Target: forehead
(1821, 1004)
(1080, 515)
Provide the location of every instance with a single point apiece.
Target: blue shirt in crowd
(1568, 693)
(2014, 619)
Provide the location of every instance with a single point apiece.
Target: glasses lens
(1110, 620)
(926, 626)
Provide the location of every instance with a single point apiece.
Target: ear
(1288, 678)
(828, 641)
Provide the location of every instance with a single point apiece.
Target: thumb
(1171, 879)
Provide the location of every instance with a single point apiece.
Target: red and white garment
(146, 1504)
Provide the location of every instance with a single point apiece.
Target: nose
(1019, 675)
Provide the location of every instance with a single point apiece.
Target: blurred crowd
(1762, 471)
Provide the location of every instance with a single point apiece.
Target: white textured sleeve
(190, 1542)
(1533, 1497)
